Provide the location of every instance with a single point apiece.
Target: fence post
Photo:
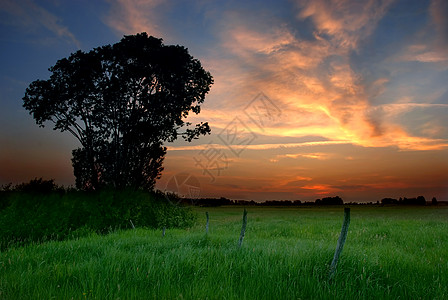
(340, 244)
(133, 227)
(206, 225)
(243, 228)
(164, 229)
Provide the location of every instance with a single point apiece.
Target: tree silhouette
(122, 102)
(434, 201)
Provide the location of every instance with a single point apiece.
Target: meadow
(390, 253)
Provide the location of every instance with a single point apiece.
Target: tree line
(42, 186)
(336, 200)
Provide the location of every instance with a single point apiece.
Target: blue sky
(354, 93)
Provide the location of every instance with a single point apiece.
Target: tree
(330, 201)
(122, 102)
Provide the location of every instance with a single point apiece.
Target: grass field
(390, 253)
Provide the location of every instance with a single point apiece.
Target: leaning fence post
(206, 225)
(133, 227)
(340, 243)
(243, 228)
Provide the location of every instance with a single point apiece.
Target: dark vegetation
(336, 200)
(420, 200)
(40, 210)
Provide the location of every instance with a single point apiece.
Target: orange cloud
(319, 189)
(318, 156)
(336, 103)
(259, 146)
(310, 80)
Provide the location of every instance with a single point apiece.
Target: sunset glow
(311, 98)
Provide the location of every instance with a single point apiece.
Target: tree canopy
(122, 102)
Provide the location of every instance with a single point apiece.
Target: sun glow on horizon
(309, 98)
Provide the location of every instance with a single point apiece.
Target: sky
(310, 99)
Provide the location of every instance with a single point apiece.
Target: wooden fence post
(132, 224)
(340, 244)
(243, 228)
(206, 225)
(164, 229)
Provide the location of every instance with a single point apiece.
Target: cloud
(258, 146)
(28, 14)
(302, 76)
(307, 73)
(315, 155)
(439, 13)
(351, 187)
(345, 21)
(425, 53)
(312, 80)
(394, 109)
(319, 189)
(134, 16)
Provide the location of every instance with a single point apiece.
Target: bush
(31, 216)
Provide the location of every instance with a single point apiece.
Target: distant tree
(434, 201)
(329, 201)
(421, 200)
(122, 102)
(390, 201)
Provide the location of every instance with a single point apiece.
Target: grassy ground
(390, 253)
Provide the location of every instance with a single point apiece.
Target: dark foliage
(330, 201)
(34, 186)
(420, 200)
(57, 216)
(434, 201)
(122, 102)
(39, 185)
(389, 201)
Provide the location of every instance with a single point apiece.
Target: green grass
(390, 253)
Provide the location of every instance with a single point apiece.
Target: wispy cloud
(315, 155)
(134, 16)
(257, 147)
(439, 12)
(312, 79)
(345, 21)
(30, 15)
(425, 53)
